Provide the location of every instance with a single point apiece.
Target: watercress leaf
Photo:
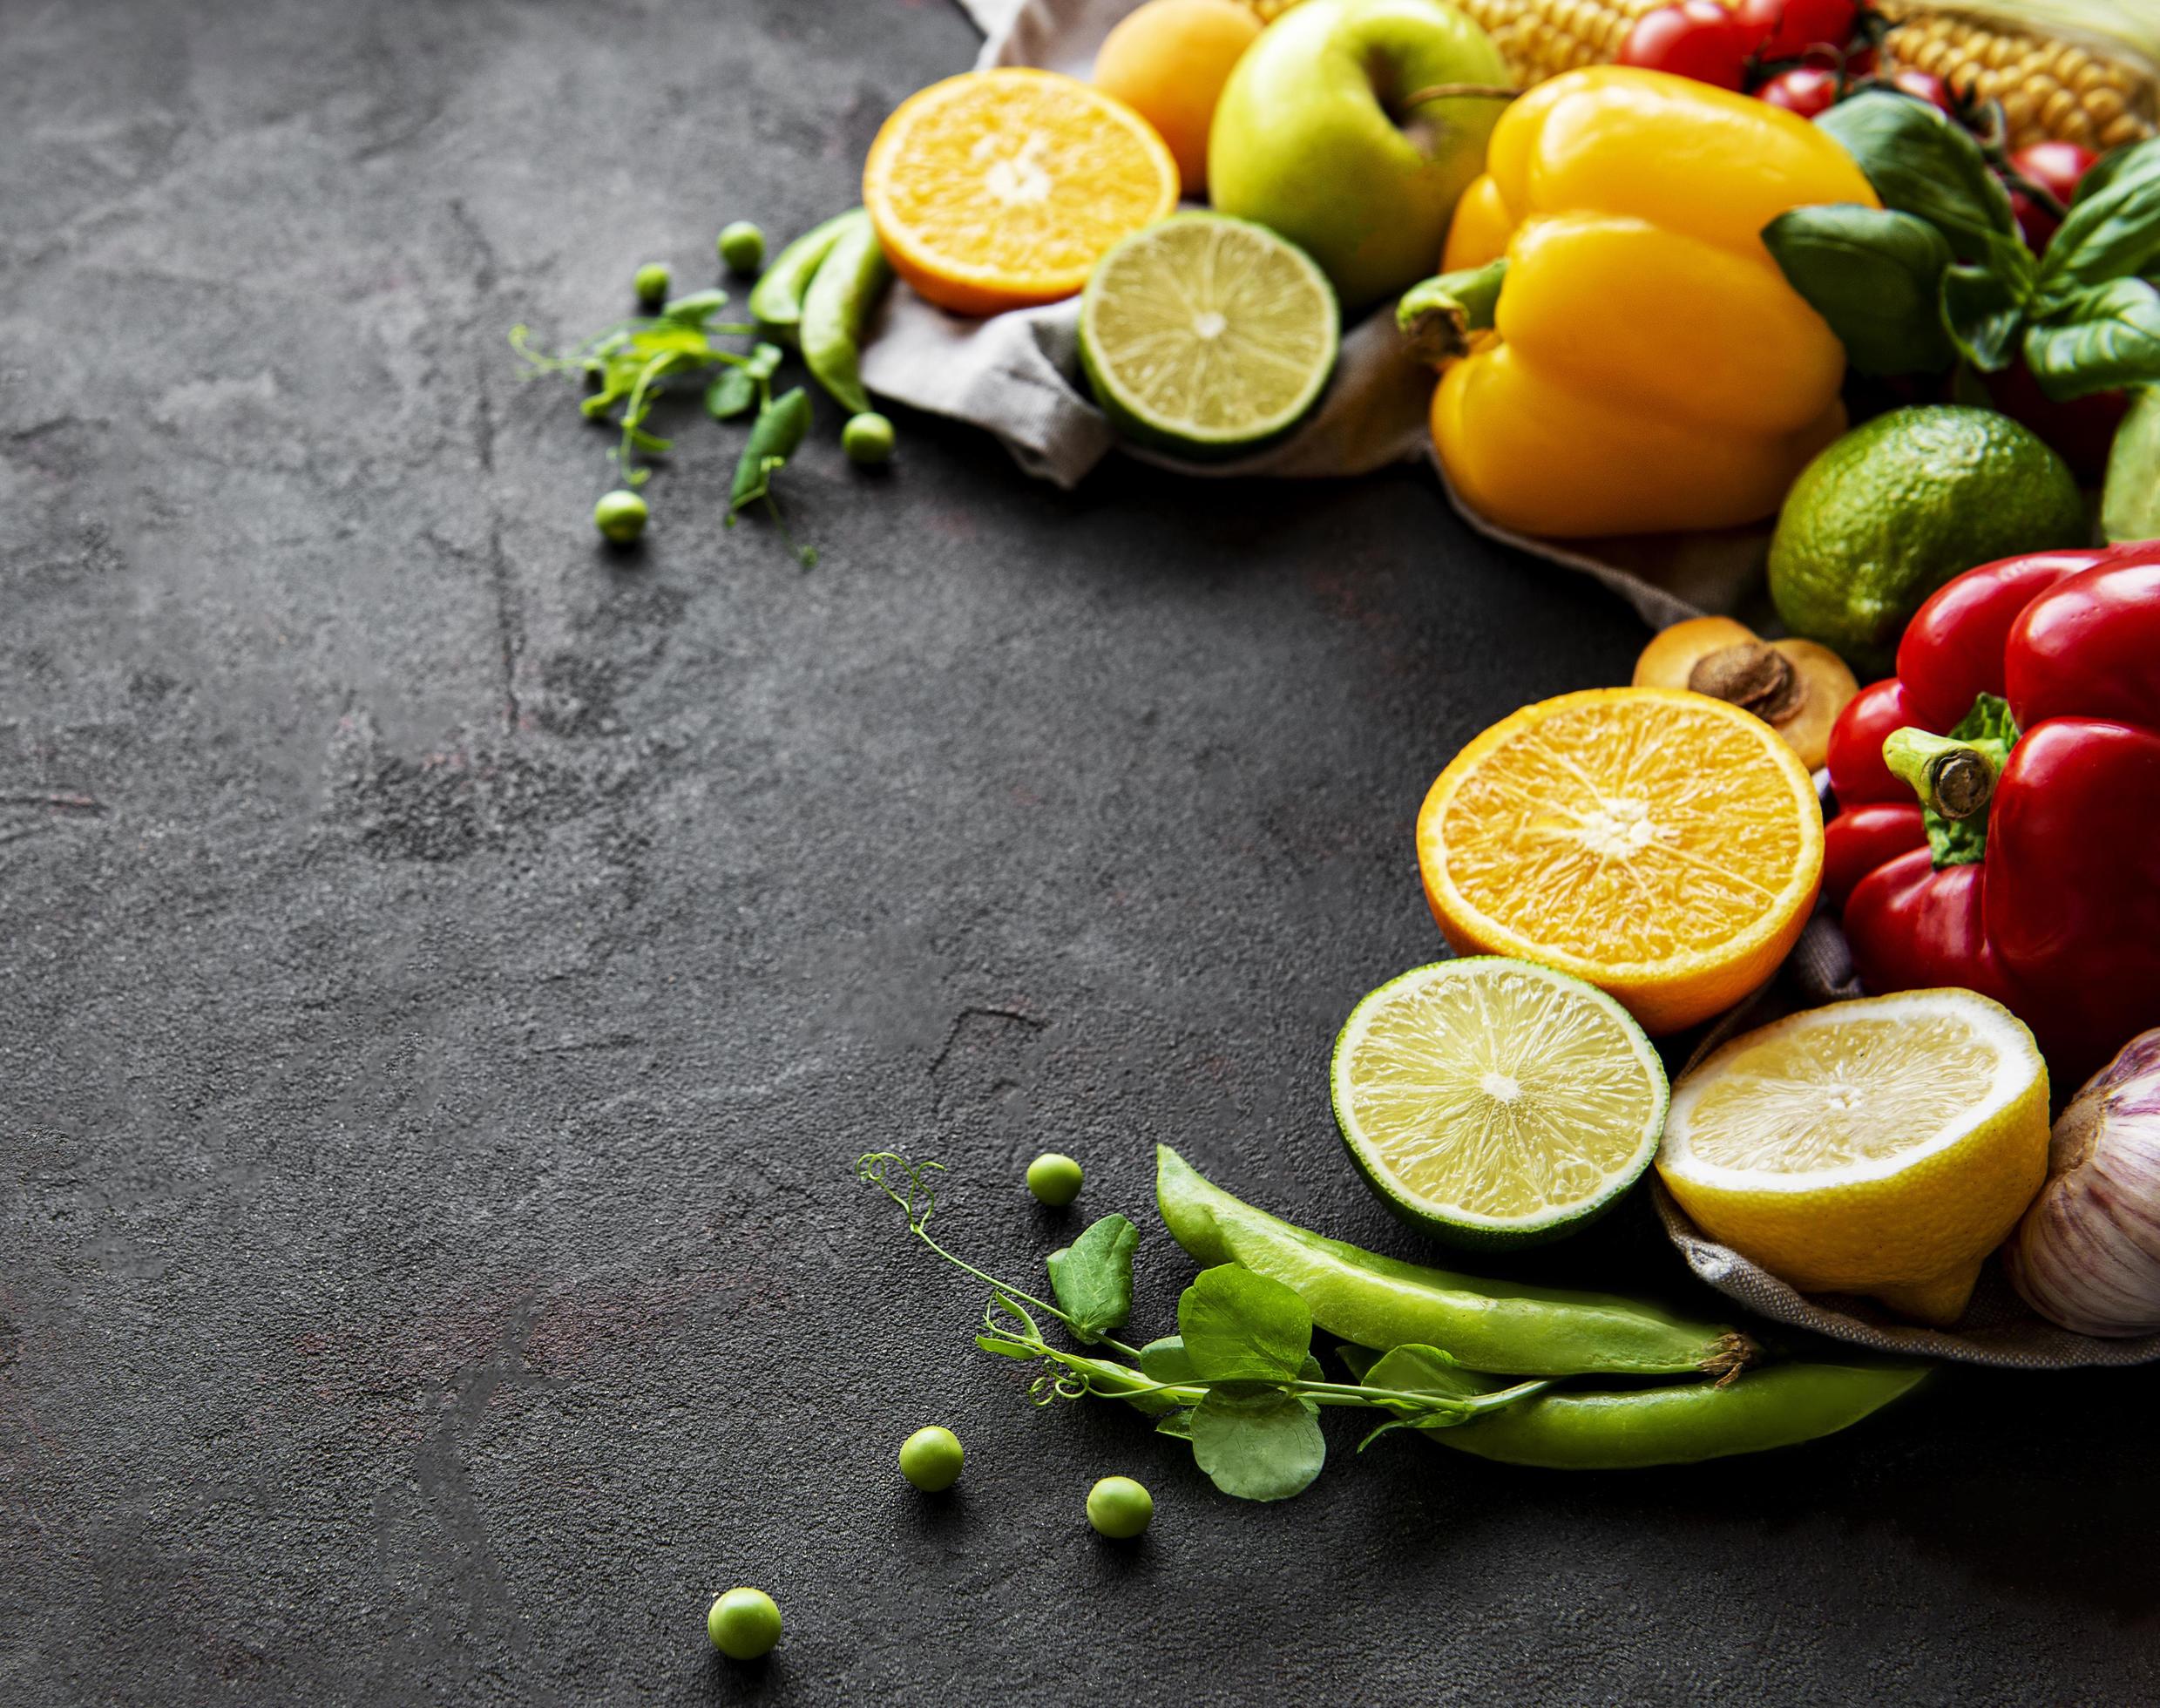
(731, 394)
(1166, 1360)
(1240, 1327)
(1005, 1348)
(1425, 1370)
(1179, 1424)
(1982, 314)
(1092, 1276)
(2129, 503)
(1875, 275)
(1922, 163)
(1391, 1423)
(2107, 338)
(2113, 228)
(695, 308)
(1266, 1447)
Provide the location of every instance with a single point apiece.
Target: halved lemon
(1882, 1147)
(993, 189)
(1491, 1101)
(1664, 845)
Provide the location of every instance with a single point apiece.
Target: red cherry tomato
(1791, 29)
(2055, 167)
(1924, 85)
(1696, 38)
(1806, 89)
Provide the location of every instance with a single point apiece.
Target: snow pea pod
(776, 299)
(1502, 1327)
(1687, 1422)
(846, 287)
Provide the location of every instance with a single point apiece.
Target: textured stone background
(446, 971)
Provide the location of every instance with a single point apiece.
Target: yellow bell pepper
(1648, 368)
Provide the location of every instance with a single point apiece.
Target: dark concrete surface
(448, 971)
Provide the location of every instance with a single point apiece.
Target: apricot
(1168, 60)
(1796, 686)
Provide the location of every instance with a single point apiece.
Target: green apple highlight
(1326, 133)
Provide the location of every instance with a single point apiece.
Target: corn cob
(2078, 70)
(2051, 85)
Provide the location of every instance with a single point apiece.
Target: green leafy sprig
(1238, 1382)
(627, 366)
(1938, 276)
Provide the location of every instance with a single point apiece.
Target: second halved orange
(997, 189)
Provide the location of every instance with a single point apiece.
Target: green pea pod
(775, 437)
(776, 299)
(1503, 1327)
(1679, 1424)
(842, 295)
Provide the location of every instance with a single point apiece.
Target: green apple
(1325, 134)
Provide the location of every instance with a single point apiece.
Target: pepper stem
(1954, 779)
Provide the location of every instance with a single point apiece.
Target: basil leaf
(731, 394)
(2110, 233)
(1983, 316)
(2129, 504)
(1093, 1278)
(1876, 276)
(1239, 1326)
(2102, 339)
(1923, 164)
(1266, 1447)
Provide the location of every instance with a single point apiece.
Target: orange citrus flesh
(1661, 845)
(997, 189)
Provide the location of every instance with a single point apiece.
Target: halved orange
(997, 189)
(1662, 845)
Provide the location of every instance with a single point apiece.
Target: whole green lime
(1887, 513)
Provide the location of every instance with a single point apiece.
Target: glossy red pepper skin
(2060, 920)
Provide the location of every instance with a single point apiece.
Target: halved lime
(1494, 1101)
(1206, 337)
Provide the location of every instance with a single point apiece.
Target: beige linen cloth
(1017, 375)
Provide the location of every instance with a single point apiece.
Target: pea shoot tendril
(1238, 1382)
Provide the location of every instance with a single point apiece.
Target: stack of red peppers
(1998, 822)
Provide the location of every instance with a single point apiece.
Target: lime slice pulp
(1206, 337)
(1494, 1101)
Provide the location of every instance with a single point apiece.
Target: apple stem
(1458, 91)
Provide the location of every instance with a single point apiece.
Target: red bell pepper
(1999, 800)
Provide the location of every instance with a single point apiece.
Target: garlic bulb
(2088, 1253)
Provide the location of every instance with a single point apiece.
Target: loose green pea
(931, 1459)
(1120, 1508)
(652, 284)
(620, 516)
(741, 246)
(1054, 1178)
(867, 438)
(743, 1625)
